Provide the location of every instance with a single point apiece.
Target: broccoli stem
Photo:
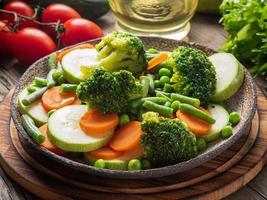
(105, 51)
(197, 113)
(112, 60)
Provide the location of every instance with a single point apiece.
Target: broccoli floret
(167, 141)
(109, 92)
(194, 75)
(120, 50)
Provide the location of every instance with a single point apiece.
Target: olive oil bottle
(154, 17)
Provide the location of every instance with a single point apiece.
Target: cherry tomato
(22, 8)
(58, 12)
(31, 44)
(79, 30)
(5, 39)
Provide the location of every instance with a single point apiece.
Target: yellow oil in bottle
(154, 17)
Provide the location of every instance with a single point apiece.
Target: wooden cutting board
(215, 179)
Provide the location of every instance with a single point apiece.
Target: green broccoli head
(109, 92)
(121, 50)
(194, 75)
(167, 141)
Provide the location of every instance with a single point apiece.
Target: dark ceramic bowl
(244, 102)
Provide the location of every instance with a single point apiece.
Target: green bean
(197, 113)
(100, 163)
(52, 61)
(68, 87)
(31, 129)
(165, 93)
(134, 164)
(234, 118)
(184, 99)
(161, 94)
(50, 80)
(151, 84)
(138, 103)
(226, 132)
(145, 83)
(31, 89)
(167, 87)
(152, 51)
(39, 82)
(168, 104)
(30, 98)
(158, 108)
(51, 112)
(56, 74)
(60, 80)
(124, 119)
(175, 105)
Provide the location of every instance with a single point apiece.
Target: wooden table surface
(205, 30)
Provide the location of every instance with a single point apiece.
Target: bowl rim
(141, 174)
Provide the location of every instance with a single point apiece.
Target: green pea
(167, 87)
(31, 89)
(157, 84)
(234, 118)
(175, 105)
(201, 144)
(145, 164)
(164, 79)
(164, 72)
(100, 163)
(124, 119)
(134, 164)
(226, 132)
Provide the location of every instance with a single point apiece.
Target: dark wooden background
(205, 30)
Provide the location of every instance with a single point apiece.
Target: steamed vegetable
(109, 92)
(229, 73)
(167, 141)
(194, 75)
(31, 129)
(127, 137)
(121, 50)
(245, 22)
(65, 133)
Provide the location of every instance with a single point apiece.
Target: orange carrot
(54, 99)
(105, 153)
(63, 53)
(77, 102)
(47, 144)
(127, 137)
(157, 60)
(94, 123)
(198, 126)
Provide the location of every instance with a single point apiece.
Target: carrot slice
(63, 53)
(94, 123)
(157, 60)
(127, 137)
(47, 144)
(105, 153)
(198, 126)
(54, 99)
(77, 102)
